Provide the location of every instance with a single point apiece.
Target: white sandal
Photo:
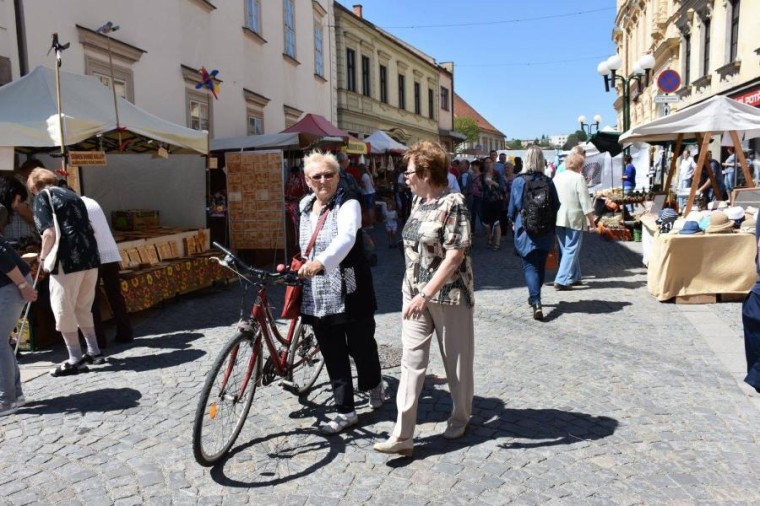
(339, 423)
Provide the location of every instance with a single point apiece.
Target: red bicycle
(240, 367)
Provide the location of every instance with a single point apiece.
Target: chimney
(358, 10)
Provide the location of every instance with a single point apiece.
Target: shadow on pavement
(584, 307)
(492, 420)
(102, 400)
(179, 342)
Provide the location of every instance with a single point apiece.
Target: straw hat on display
(719, 224)
(748, 226)
(735, 213)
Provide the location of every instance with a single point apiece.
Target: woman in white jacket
(575, 213)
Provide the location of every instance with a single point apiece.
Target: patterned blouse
(434, 227)
(77, 249)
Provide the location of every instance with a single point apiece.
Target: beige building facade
(274, 57)
(383, 83)
(714, 45)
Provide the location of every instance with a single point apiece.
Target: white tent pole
(59, 48)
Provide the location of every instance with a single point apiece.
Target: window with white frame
(254, 104)
(198, 108)
(199, 103)
(97, 48)
(289, 25)
(733, 41)
(253, 15)
(120, 85)
(319, 58)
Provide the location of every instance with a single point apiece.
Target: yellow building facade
(383, 83)
(714, 45)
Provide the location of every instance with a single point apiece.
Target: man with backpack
(533, 207)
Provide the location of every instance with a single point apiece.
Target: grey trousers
(11, 304)
(454, 328)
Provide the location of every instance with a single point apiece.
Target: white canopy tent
(381, 142)
(29, 118)
(265, 141)
(716, 115)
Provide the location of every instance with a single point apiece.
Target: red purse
(291, 306)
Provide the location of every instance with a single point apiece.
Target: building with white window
(272, 56)
(490, 137)
(383, 83)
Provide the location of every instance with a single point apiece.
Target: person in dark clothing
(751, 323)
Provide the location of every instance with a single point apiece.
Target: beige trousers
(71, 297)
(454, 328)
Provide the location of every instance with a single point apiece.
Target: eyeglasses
(325, 176)
(409, 173)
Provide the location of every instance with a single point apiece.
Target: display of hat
(750, 210)
(719, 224)
(722, 204)
(668, 215)
(704, 222)
(694, 216)
(690, 228)
(748, 226)
(734, 213)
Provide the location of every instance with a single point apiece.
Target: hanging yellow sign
(355, 147)
(87, 158)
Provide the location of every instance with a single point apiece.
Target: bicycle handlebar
(286, 276)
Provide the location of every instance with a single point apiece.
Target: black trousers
(109, 273)
(751, 321)
(338, 341)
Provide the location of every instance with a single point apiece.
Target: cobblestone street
(614, 399)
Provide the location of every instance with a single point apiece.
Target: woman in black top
(74, 276)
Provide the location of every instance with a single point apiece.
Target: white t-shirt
(107, 248)
(453, 184)
(367, 187)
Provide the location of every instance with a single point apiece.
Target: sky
(527, 66)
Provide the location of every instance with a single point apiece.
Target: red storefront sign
(750, 98)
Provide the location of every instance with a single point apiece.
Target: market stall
(144, 158)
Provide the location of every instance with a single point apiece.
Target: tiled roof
(463, 109)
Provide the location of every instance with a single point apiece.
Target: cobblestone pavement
(614, 399)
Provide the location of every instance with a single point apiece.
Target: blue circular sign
(668, 81)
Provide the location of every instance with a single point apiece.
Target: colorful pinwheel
(208, 81)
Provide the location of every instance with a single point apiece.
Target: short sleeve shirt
(77, 249)
(433, 228)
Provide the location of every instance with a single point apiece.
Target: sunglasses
(409, 173)
(325, 176)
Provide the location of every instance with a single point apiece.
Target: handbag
(291, 306)
(50, 260)
(552, 259)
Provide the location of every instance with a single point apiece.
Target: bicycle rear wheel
(226, 397)
(305, 361)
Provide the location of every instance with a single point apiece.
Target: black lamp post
(589, 127)
(641, 69)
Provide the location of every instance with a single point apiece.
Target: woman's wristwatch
(424, 296)
(22, 285)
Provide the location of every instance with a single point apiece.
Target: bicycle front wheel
(226, 397)
(305, 361)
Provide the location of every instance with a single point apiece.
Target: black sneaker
(68, 369)
(538, 312)
(93, 359)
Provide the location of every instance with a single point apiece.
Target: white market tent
(381, 142)
(717, 115)
(29, 118)
(282, 140)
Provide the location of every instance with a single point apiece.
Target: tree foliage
(467, 127)
(574, 138)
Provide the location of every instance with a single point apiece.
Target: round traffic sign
(668, 81)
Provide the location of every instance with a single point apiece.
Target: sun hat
(694, 216)
(722, 204)
(668, 215)
(734, 213)
(704, 223)
(690, 227)
(719, 224)
(748, 226)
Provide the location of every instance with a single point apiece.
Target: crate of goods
(134, 219)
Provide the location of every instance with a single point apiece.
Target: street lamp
(641, 69)
(106, 30)
(589, 127)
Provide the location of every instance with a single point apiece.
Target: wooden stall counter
(686, 266)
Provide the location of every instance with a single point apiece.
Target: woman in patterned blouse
(75, 273)
(438, 295)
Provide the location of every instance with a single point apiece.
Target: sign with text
(666, 99)
(87, 158)
(750, 98)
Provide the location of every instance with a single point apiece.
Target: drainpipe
(23, 63)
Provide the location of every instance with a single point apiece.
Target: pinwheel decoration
(207, 81)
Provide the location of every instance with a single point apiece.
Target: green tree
(572, 140)
(467, 127)
(514, 144)
(581, 134)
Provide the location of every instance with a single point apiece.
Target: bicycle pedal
(288, 385)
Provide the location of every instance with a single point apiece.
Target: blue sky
(529, 67)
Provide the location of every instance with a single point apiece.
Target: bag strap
(322, 219)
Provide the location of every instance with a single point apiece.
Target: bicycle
(240, 368)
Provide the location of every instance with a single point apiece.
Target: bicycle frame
(262, 314)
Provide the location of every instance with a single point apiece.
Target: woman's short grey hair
(579, 150)
(534, 160)
(317, 157)
(574, 162)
